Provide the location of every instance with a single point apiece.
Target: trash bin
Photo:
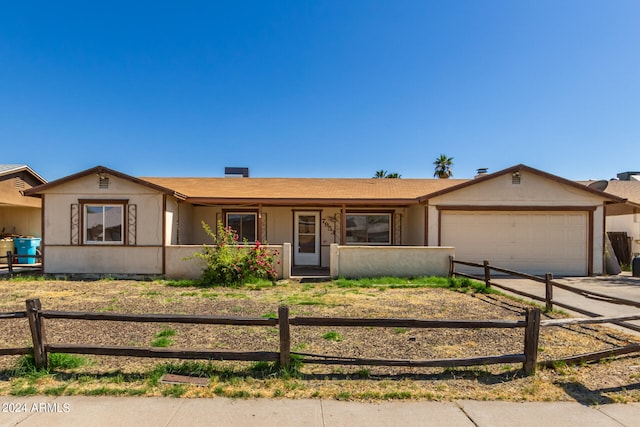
(6, 245)
(635, 266)
(26, 246)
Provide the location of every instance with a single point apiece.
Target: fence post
(285, 336)
(487, 274)
(451, 268)
(531, 336)
(34, 314)
(10, 263)
(548, 295)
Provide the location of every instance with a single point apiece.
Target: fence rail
(10, 266)
(41, 347)
(550, 284)
(531, 325)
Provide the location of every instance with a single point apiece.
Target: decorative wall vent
(19, 183)
(103, 181)
(515, 178)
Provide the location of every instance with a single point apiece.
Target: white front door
(306, 238)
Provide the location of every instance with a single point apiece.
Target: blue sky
(321, 88)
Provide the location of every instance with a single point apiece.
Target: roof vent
(231, 172)
(515, 178)
(103, 181)
(481, 172)
(19, 183)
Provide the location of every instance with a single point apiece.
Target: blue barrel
(26, 246)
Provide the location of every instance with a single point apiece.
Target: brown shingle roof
(310, 189)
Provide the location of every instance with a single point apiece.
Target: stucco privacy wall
(103, 260)
(181, 264)
(533, 191)
(398, 261)
(61, 256)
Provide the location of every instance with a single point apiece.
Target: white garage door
(531, 242)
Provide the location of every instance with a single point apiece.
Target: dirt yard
(614, 380)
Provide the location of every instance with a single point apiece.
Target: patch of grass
(461, 284)
(270, 315)
(175, 390)
(189, 294)
(236, 295)
(150, 294)
(343, 395)
(332, 336)
(20, 390)
(55, 391)
(209, 295)
(394, 395)
(26, 365)
(161, 339)
(179, 283)
(364, 373)
(400, 330)
(27, 277)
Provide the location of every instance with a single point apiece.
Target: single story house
(19, 215)
(101, 221)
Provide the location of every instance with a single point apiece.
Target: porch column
(343, 225)
(259, 228)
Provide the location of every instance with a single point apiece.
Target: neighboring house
(19, 215)
(624, 218)
(103, 221)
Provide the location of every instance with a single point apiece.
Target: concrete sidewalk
(140, 411)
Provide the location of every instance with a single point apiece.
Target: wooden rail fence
(10, 266)
(549, 284)
(531, 324)
(41, 347)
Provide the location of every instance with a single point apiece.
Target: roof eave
(526, 168)
(298, 201)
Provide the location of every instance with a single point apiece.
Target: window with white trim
(245, 225)
(368, 228)
(103, 224)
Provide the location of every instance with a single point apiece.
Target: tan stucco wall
(58, 201)
(11, 195)
(19, 220)
(378, 261)
(103, 260)
(145, 257)
(181, 264)
(414, 226)
(533, 190)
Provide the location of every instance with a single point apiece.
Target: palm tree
(443, 166)
(384, 174)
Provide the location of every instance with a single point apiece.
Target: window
(245, 224)
(372, 229)
(103, 224)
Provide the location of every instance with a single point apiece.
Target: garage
(534, 242)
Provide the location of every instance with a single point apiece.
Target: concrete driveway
(620, 286)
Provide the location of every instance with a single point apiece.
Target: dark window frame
(121, 203)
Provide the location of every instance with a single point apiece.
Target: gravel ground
(616, 380)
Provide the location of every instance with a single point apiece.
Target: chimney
(230, 172)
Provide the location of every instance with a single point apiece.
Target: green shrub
(230, 263)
